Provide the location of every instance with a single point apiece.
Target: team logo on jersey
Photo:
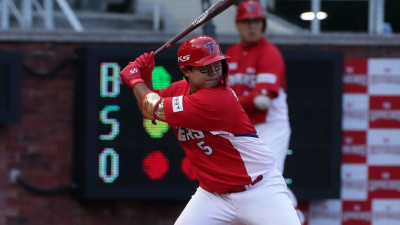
(185, 134)
(177, 104)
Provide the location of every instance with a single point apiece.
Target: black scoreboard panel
(10, 86)
(314, 89)
(118, 154)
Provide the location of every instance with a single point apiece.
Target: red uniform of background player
(257, 75)
(239, 183)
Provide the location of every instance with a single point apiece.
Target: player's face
(208, 76)
(250, 31)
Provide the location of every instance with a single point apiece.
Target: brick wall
(41, 147)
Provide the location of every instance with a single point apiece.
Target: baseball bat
(207, 15)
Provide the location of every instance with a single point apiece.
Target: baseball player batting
(238, 180)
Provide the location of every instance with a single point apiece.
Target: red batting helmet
(201, 51)
(250, 9)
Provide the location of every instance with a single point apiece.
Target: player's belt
(246, 135)
(243, 188)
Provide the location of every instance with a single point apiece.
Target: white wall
(177, 14)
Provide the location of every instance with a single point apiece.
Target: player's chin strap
(152, 107)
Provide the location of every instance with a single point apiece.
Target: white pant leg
(206, 208)
(266, 203)
(277, 136)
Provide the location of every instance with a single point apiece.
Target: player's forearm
(259, 99)
(247, 103)
(140, 90)
(149, 84)
(255, 102)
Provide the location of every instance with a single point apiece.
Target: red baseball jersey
(254, 70)
(216, 135)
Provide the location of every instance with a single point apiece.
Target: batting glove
(131, 74)
(146, 64)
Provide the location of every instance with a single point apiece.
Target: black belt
(243, 188)
(246, 135)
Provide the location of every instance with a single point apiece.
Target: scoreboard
(120, 155)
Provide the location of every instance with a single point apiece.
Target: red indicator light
(155, 165)
(187, 169)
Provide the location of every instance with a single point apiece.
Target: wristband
(133, 82)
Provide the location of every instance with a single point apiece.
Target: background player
(257, 75)
(239, 183)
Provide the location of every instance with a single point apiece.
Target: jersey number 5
(207, 149)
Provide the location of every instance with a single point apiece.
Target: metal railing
(23, 11)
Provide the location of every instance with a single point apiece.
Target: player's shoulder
(218, 99)
(233, 47)
(180, 83)
(176, 88)
(269, 45)
(270, 50)
(209, 91)
(217, 95)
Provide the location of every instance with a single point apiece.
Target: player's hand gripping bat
(210, 13)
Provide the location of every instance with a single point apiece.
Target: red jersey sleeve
(177, 88)
(270, 70)
(270, 75)
(201, 111)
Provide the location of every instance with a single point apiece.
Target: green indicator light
(161, 77)
(155, 131)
